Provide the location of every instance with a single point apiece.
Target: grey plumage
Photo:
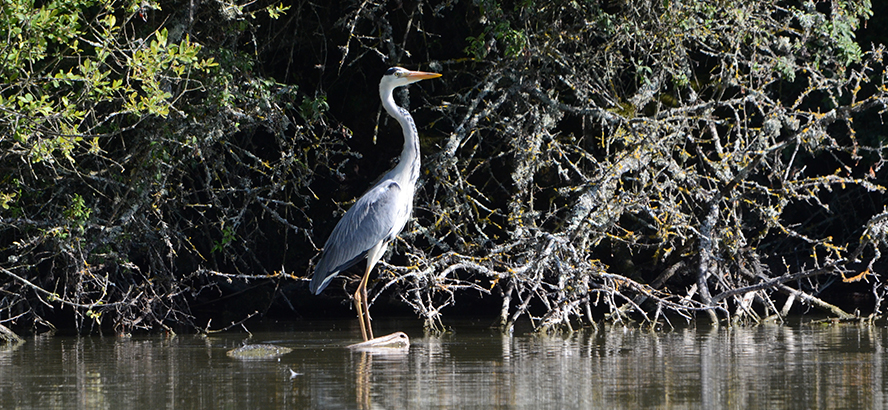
(381, 213)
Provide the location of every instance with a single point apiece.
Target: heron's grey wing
(370, 220)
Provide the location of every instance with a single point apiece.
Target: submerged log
(258, 352)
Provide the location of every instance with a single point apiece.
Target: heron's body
(381, 213)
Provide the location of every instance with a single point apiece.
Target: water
(813, 366)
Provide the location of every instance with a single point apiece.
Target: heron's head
(396, 77)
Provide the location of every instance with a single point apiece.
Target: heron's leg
(358, 306)
(361, 304)
(373, 256)
(367, 308)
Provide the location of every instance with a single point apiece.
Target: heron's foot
(397, 340)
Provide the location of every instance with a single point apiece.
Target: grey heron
(381, 213)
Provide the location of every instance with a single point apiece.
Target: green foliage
(49, 102)
(30, 32)
(77, 211)
(6, 198)
(312, 109)
(477, 47)
(151, 69)
(114, 125)
(591, 159)
(275, 12)
(514, 42)
(228, 236)
(836, 30)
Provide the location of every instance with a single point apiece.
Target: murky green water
(474, 367)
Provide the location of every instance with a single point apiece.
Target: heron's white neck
(408, 166)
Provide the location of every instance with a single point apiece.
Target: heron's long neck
(408, 166)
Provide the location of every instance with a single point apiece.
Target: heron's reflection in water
(393, 349)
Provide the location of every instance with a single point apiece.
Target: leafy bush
(627, 160)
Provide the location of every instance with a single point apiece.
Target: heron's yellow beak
(420, 75)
